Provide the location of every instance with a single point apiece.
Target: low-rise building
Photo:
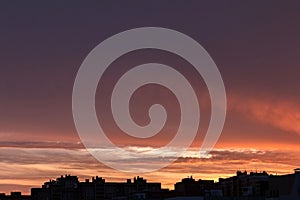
(191, 187)
(14, 196)
(243, 184)
(69, 188)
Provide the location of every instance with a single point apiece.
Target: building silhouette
(285, 186)
(14, 196)
(242, 186)
(191, 187)
(69, 188)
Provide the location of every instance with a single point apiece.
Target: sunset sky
(256, 47)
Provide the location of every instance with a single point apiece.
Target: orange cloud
(45, 163)
(282, 114)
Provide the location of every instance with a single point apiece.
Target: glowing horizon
(43, 47)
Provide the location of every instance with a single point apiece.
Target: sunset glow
(256, 50)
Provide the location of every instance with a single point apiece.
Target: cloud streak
(280, 113)
(44, 163)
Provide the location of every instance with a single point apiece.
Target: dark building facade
(191, 187)
(285, 186)
(243, 184)
(62, 188)
(69, 188)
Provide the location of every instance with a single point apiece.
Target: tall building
(285, 187)
(63, 188)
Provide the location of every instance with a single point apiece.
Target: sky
(254, 44)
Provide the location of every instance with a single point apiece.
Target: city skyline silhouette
(244, 185)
